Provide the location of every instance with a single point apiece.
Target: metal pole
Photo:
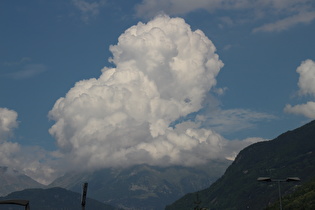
(279, 194)
(83, 199)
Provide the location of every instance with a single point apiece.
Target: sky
(88, 84)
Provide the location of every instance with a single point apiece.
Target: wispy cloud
(231, 120)
(22, 69)
(28, 71)
(286, 23)
(284, 13)
(88, 9)
(18, 63)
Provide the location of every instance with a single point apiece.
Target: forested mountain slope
(292, 154)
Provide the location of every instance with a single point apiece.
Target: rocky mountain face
(143, 186)
(292, 154)
(52, 199)
(12, 180)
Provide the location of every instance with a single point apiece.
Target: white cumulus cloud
(163, 72)
(32, 161)
(306, 85)
(307, 77)
(8, 122)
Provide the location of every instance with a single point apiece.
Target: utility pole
(84, 191)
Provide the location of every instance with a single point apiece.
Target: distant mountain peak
(143, 186)
(9, 171)
(12, 180)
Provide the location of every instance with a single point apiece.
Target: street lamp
(268, 179)
(24, 203)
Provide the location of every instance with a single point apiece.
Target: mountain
(143, 186)
(291, 154)
(11, 180)
(52, 199)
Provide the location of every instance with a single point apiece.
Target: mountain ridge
(143, 186)
(12, 180)
(53, 199)
(290, 154)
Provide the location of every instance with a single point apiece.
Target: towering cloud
(306, 87)
(163, 72)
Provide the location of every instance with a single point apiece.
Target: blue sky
(46, 47)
